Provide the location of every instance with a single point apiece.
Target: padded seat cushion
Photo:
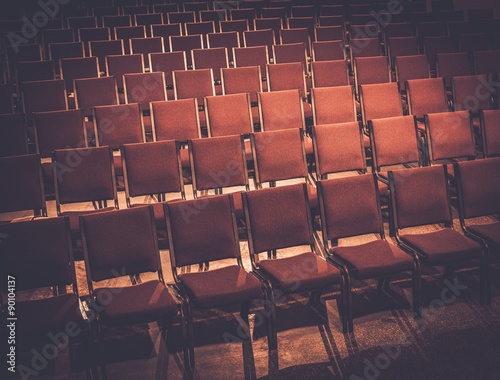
(49, 314)
(146, 302)
(374, 259)
(443, 247)
(489, 232)
(300, 273)
(223, 286)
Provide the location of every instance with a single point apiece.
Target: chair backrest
(292, 52)
(239, 80)
(450, 65)
(93, 34)
(201, 230)
(490, 132)
(152, 168)
(118, 65)
(286, 76)
(436, 44)
(228, 40)
(119, 243)
(420, 196)
(350, 206)
(426, 96)
(35, 70)
(62, 50)
(251, 56)
(338, 148)
(277, 218)
(478, 185)
(6, 98)
(238, 26)
(329, 73)
(145, 46)
(450, 135)
(119, 124)
(329, 33)
(144, 88)
(175, 120)
(217, 163)
(148, 19)
(181, 17)
(487, 62)
(54, 98)
(473, 92)
(126, 33)
(368, 70)
(296, 35)
(193, 84)
(273, 23)
(332, 105)
(84, 175)
(328, 50)
(101, 49)
(212, 58)
(394, 141)
(402, 46)
(113, 21)
(78, 68)
(165, 31)
(59, 130)
(380, 100)
(168, 62)
(22, 184)
(186, 44)
(473, 42)
(39, 252)
(281, 110)
(430, 28)
(202, 28)
(91, 92)
(263, 37)
(214, 15)
(13, 137)
(50, 36)
(228, 114)
(411, 67)
(278, 155)
(364, 47)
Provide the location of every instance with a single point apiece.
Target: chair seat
(374, 259)
(49, 314)
(300, 273)
(74, 216)
(223, 286)
(489, 232)
(443, 247)
(146, 302)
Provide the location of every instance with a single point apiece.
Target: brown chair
(297, 35)
(101, 49)
(83, 175)
(186, 44)
(13, 135)
(426, 96)
(369, 70)
(165, 31)
(380, 100)
(419, 197)
(490, 132)
(126, 239)
(204, 237)
(350, 207)
(212, 58)
(473, 93)
(54, 98)
(37, 255)
(279, 218)
(118, 65)
(329, 73)
(410, 67)
(333, 105)
(168, 63)
(450, 65)
(477, 186)
(22, 186)
(229, 40)
(328, 50)
(229, 115)
(78, 68)
(145, 46)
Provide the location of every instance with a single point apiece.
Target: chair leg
(244, 311)
(188, 338)
(417, 288)
(347, 319)
(271, 319)
(485, 298)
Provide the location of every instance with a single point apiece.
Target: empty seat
(329, 73)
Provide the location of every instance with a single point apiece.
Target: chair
(180, 17)
(490, 132)
(379, 101)
(54, 98)
(186, 44)
(39, 253)
(35, 70)
(477, 187)
(165, 8)
(369, 70)
(126, 239)
(273, 23)
(101, 49)
(401, 46)
(167, 63)
(115, 21)
(148, 19)
(242, 13)
(198, 241)
(165, 31)
(153, 170)
(433, 45)
(229, 40)
(275, 12)
(86, 35)
(76, 23)
(134, 9)
(126, 33)
(338, 148)
(410, 67)
(296, 36)
(118, 65)
(238, 26)
(251, 56)
(193, 84)
(212, 58)
(203, 28)
(13, 137)
(328, 51)
(329, 33)
(474, 42)
(333, 20)
(229, 115)
(144, 88)
(329, 73)
(419, 197)
(450, 65)
(6, 98)
(364, 47)
(332, 105)
(473, 93)
(396, 29)
(50, 36)
(426, 96)
(279, 218)
(264, 37)
(487, 62)
(450, 136)
(303, 11)
(22, 53)
(62, 50)
(83, 175)
(78, 68)
(351, 207)
(22, 185)
(197, 7)
(289, 76)
(145, 46)
(214, 15)
(430, 29)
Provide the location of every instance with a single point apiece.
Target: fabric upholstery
(143, 88)
(380, 100)
(229, 115)
(222, 286)
(281, 110)
(146, 302)
(489, 232)
(374, 259)
(118, 124)
(176, 120)
(333, 105)
(443, 247)
(300, 273)
(193, 84)
(491, 131)
(426, 96)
